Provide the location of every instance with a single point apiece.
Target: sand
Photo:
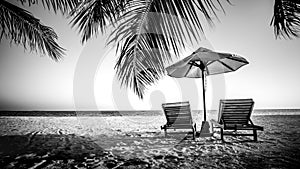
(138, 142)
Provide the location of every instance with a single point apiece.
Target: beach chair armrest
(258, 127)
(215, 123)
(251, 122)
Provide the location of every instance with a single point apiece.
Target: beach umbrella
(204, 62)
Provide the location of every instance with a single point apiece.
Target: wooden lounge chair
(234, 114)
(178, 117)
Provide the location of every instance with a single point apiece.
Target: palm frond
(286, 18)
(142, 65)
(149, 30)
(64, 6)
(91, 15)
(19, 26)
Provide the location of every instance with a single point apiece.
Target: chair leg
(255, 135)
(165, 132)
(193, 133)
(195, 130)
(222, 135)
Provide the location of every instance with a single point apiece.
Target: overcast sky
(84, 79)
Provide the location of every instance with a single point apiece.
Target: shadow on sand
(36, 150)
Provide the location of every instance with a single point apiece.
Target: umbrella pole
(203, 88)
(204, 132)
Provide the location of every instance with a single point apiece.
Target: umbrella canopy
(212, 63)
(204, 62)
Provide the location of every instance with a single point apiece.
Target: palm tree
(145, 32)
(22, 28)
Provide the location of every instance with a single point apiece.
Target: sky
(85, 78)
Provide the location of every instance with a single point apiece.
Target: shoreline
(256, 112)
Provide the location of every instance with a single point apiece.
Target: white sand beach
(138, 142)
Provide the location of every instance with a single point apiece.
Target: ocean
(108, 113)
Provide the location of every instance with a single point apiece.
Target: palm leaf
(149, 30)
(286, 18)
(91, 15)
(64, 6)
(21, 27)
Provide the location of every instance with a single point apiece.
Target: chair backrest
(235, 112)
(177, 113)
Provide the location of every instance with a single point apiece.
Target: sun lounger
(178, 116)
(234, 114)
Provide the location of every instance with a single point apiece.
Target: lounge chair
(234, 114)
(178, 116)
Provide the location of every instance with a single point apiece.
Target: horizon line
(71, 110)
